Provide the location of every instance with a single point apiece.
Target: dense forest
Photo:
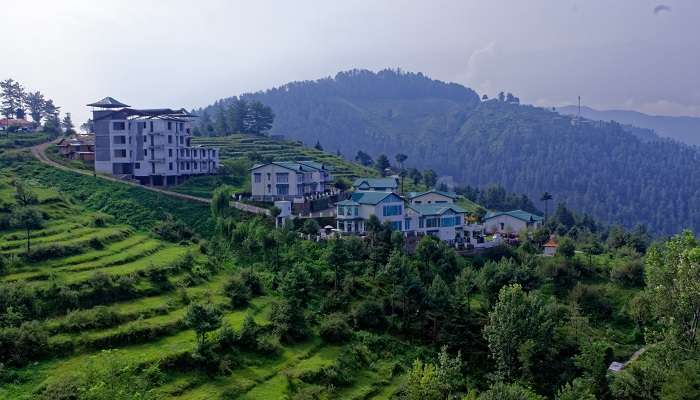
(613, 172)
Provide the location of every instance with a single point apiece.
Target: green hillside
(600, 168)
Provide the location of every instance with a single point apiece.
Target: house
(19, 124)
(511, 221)
(352, 214)
(77, 147)
(150, 145)
(289, 180)
(432, 197)
(444, 221)
(390, 184)
(550, 248)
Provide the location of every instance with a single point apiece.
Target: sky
(625, 54)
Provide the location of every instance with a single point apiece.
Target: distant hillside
(683, 129)
(599, 168)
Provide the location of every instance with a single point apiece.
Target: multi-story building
(150, 145)
(441, 219)
(511, 222)
(289, 180)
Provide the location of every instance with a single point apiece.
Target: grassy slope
(133, 252)
(21, 139)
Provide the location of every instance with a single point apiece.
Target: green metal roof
(372, 197)
(436, 209)
(377, 182)
(519, 214)
(452, 195)
(347, 203)
(300, 166)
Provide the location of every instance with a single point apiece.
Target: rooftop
(304, 166)
(108, 102)
(436, 209)
(377, 182)
(452, 195)
(519, 214)
(372, 197)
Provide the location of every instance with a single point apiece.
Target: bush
(593, 300)
(96, 317)
(100, 220)
(53, 250)
(289, 322)
(237, 291)
(630, 273)
(369, 315)
(335, 329)
(18, 346)
(96, 243)
(269, 344)
(172, 230)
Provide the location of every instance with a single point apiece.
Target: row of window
(437, 222)
(391, 210)
(348, 211)
(183, 152)
(179, 126)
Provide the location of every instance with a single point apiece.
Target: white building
(151, 145)
(442, 220)
(432, 197)
(506, 222)
(287, 180)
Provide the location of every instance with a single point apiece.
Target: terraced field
(244, 145)
(20, 139)
(121, 296)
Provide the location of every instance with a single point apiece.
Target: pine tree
(318, 146)
(67, 124)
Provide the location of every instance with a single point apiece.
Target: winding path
(39, 152)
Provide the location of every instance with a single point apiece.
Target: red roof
(14, 122)
(552, 242)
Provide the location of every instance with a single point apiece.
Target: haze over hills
(601, 168)
(683, 129)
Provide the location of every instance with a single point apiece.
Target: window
(269, 188)
(151, 127)
(187, 152)
(120, 153)
(503, 226)
(458, 220)
(421, 222)
(170, 138)
(145, 152)
(194, 165)
(170, 125)
(182, 126)
(143, 125)
(170, 152)
(187, 165)
(283, 190)
(118, 126)
(257, 177)
(396, 225)
(145, 138)
(282, 177)
(129, 139)
(432, 222)
(392, 210)
(170, 166)
(119, 139)
(137, 165)
(407, 224)
(341, 210)
(448, 221)
(268, 176)
(182, 140)
(131, 154)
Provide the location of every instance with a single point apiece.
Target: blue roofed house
(289, 180)
(390, 184)
(442, 220)
(353, 213)
(506, 222)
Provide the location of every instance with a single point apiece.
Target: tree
(36, 105)
(220, 202)
(546, 197)
(566, 247)
(402, 174)
(13, 98)
(24, 196)
(67, 124)
(259, 118)
(427, 381)
(578, 389)
(239, 114)
(518, 321)
(318, 146)
(364, 158)
(28, 218)
(382, 164)
(400, 159)
(429, 178)
(415, 175)
(501, 96)
(310, 227)
(673, 281)
(203, 318)
(484, 97)
(502, 391)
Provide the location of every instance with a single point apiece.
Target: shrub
(96, 317)
(53, 250)
(19, 345)
(630, 273)
(237, 291)
(173, 230)
(100, 220)
(335, 329)
(289, 322)
(593, 300)
(369, 315)
(269, 344)
(96, 243)
(247, 338)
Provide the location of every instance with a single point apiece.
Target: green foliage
(503, 391)
(310, 227)
(173, 230)
(237, 291)
(566, 247)
(203, 318)
(518, 319)
(578, 389)
(334, 328)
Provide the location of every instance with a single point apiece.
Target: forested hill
(599, 168)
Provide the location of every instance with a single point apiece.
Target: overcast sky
(615, 54)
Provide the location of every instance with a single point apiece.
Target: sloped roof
(108, 102)
(372, 197)
(303, 166)
(552, 242)
(413, 195)
(14, 122)
(377, 182)
(436, 209)
(347, 203)
(519, 214)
